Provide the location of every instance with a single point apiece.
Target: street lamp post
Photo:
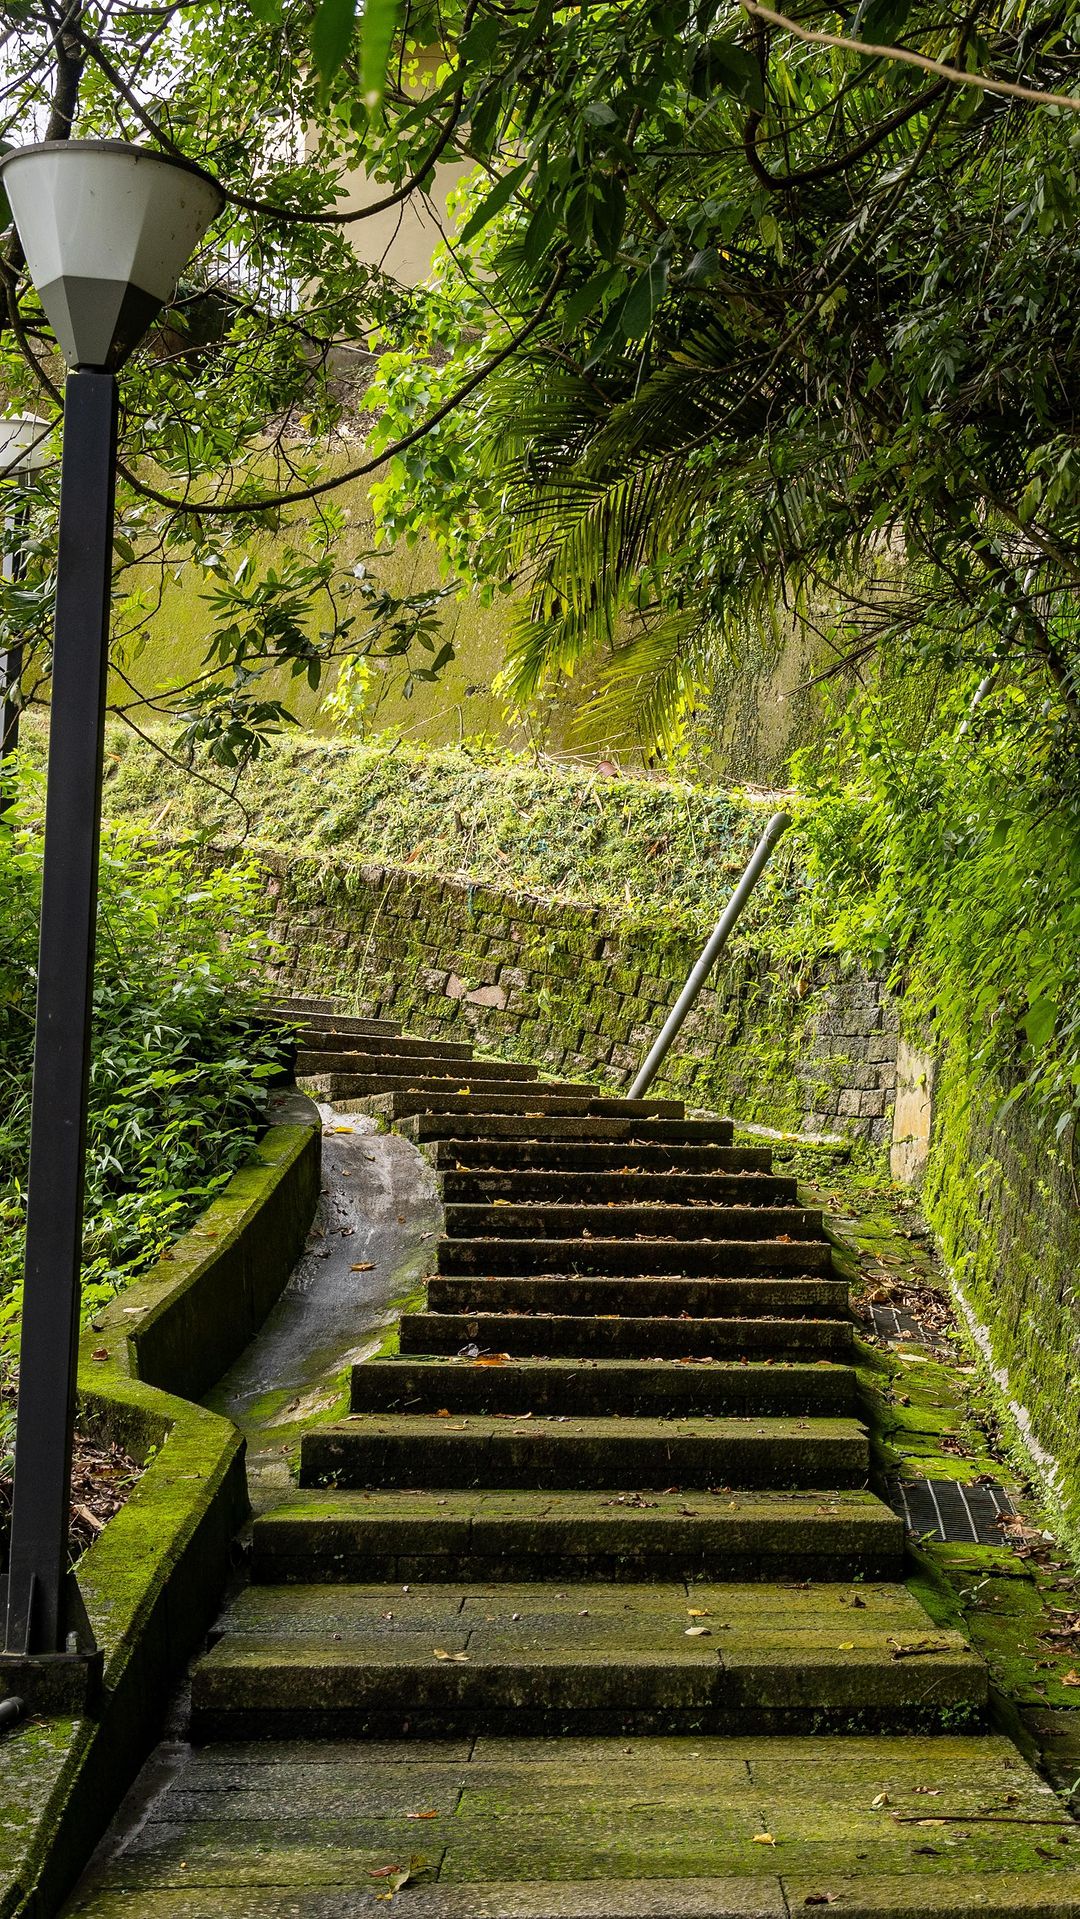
(106, 230)
(22, 452)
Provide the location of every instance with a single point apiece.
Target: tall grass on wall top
(179, 1066)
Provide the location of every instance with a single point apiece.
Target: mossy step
(384, 1450)
(642, 1128)
(828, 1608)
(625, 1220)
(423, 1081)
(527, 1658)
(309, 1006)
(566, 1335)
(421, 1068)
(627, 1183)
(637, 1296)
(541, 1105)
(574, 1387)
(685, 1258)
(522, 1158)
(334, 1536)
(989, 1894)
(355, 1025)
(647, 1828)
(401, 1045)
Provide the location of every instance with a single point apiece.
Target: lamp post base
(61, 1684)
(56, 1685)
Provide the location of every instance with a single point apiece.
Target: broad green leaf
(331, 34)
(880, 20)
(476, 47)
(644, 297)
(377, 36)
(721, 62)
(588, 297)
(494, 202)
(704, 266)
(1039, 1021)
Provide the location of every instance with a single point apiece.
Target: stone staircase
(604, 1522)
(633, 1371)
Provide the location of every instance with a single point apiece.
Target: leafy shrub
(957, 866)
(179, 1065)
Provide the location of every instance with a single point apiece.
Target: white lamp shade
(23, 443)
(107, 230)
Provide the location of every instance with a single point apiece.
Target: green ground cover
(179, 1072)
(565, 831)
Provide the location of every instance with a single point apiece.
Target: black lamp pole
(37, 1610)
(106, 229)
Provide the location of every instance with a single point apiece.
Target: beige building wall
(402, 239)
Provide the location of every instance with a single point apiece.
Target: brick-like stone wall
(584, 993)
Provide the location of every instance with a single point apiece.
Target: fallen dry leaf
(460, 1657)
(364, 1266)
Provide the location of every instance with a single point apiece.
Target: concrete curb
(154, 1578)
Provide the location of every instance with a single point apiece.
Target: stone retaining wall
(584, 995)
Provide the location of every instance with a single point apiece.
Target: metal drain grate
(948, 1510)
(894, 1323)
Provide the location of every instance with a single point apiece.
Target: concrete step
(524, 1158)
(340, 1038)
(609, 1535)
(508, 1129)
(623, 1221)
(637, 1298)
(633, 1387)
(384, 1450)
(312, 1008)
(346, 1025)
(609, 1828)
(686, 1258)
(528, 1660)
(405, 1095)
(630, 1184)
(555, 1336)
(393, 1069)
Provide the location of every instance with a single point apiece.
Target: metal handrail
(717, 940)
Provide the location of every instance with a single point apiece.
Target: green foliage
(811, 346)
(955, 863)
(180, 1068)
(663, 846)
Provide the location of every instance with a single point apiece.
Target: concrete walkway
(583, 1609)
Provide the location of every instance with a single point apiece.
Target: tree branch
(818, 37)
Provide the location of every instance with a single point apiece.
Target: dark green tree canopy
(733, 317)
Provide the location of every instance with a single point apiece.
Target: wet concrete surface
(369, 1248)
(379, 1211)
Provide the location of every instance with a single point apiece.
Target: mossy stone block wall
(583, 992)
(1001, 1196)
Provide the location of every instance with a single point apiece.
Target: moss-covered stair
(585, 1610)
